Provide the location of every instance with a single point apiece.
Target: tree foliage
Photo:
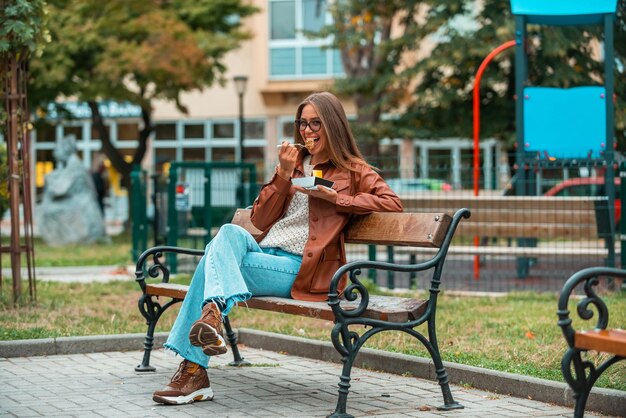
(22, 26)
(373, 38)
(136, 51)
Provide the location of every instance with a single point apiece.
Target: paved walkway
(79, 273)
(105, 384)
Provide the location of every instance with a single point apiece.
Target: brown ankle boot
(205, 332)
(190, 383)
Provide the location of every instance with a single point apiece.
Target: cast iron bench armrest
(157, 268)
(355, 289)
(600, 338)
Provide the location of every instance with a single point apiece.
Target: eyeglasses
(314, 124)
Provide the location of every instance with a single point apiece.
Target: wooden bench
(564, 225)
(357, 314)
(600, 339)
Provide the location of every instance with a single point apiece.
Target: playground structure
(565, 125)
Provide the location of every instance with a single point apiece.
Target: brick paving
(105, 384)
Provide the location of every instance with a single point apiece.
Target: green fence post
(208, 209)
(138, 218)
(622, 224)
(390, 275)
(172, 216)
(371, 255)
(412, 275)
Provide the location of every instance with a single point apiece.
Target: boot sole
(205, 336)
(199, 395)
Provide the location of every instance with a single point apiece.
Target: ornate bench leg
(585, 376)
(581, 382)
(442, 375)
(232, 340)
(147, 309)
(344, 388)
(448, 401)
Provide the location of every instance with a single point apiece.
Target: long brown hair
(341, 144)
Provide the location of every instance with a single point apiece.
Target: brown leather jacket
(360, 192)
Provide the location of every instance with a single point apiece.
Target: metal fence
(530, 229)
(528, 232)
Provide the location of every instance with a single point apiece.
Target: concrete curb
(606, 401)
(77, 345)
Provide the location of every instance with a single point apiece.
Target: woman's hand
(287, 157)
(322, 192)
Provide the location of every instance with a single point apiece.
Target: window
(95, 134)
(43, 166)
(282, 24)
(223, 130)
(287, 129)
(162, 159)
(164, 131)
(194, 131)
(77, 131)
(254, 129)
(127, 132)
(45, 132)
(223, 154)
(292, 53)
(193, 154)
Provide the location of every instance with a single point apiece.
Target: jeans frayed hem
(172, 351)
(230, 302)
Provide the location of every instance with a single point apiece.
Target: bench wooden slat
(386, 308)
(417, 229)
(573, 217)
(171, 290)
(605, 341)
(511, 251)
(479, 203)
(537, 230)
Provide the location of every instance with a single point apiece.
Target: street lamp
(240, 86)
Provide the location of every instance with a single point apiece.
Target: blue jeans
(233, 269)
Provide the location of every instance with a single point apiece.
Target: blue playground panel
(563, 12)
(566, 123)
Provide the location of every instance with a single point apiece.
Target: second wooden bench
(527, 226)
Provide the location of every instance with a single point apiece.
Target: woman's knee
(231, 231)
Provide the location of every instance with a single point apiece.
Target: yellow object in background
(42, 168)
(317, 173)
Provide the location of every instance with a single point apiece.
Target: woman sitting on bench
(299, 250)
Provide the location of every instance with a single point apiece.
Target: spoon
(293, 145)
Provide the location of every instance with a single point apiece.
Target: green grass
(516, 333)
(117, 252)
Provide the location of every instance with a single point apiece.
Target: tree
(136, 51)
(22, 30)
(374, 38)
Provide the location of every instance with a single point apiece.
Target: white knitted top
(291, 232)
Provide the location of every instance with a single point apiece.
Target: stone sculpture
(69, 211)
